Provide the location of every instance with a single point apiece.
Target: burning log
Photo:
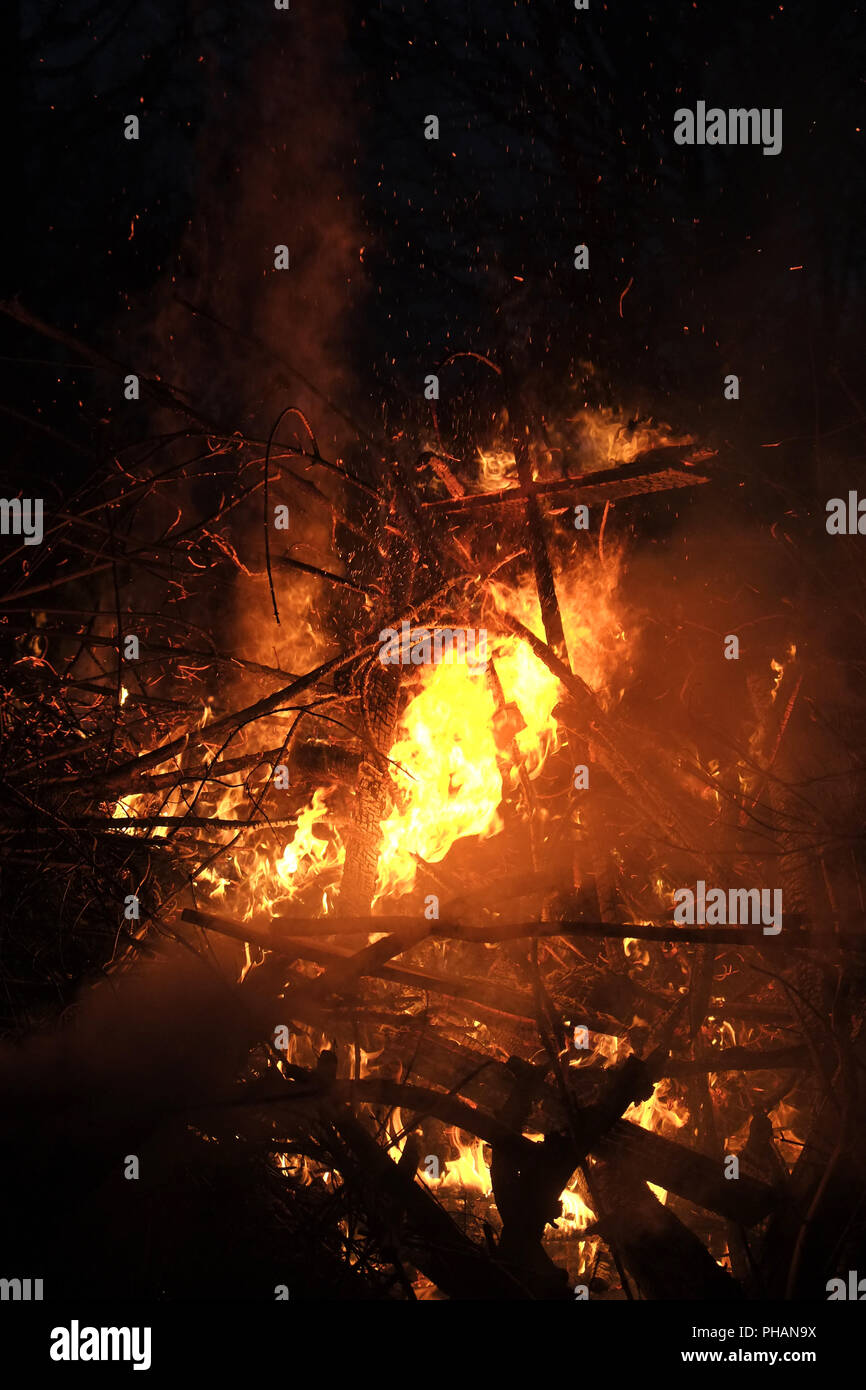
(655, 471)
(527, 1185)
(362, 849)
(290, 562)
(497, 1000)
(665, 1258)
(652, 1158)
(418, 1225)
(489, 1083)
(343, 924)
(545, 583)
(409, 1218)
(745, 1059)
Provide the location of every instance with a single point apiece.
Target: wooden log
(425, 1233)
(743, 1059)
(655, 1159)
(484, 1080)
(701, 1180)
(658, 470)
(663, 1256)
(526, 1188)
(289, 562)
(269, 931)
(489, 1083)
(545, 583)
(309, 1089)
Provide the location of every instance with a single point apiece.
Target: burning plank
(654, 471)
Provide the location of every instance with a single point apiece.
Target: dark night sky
(556, 128)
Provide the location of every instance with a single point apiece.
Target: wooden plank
(655, 471)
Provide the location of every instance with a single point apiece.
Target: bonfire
(482, 1054)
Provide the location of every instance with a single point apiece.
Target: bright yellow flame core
(446, 744)
(469, 1171)
(456, 746)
